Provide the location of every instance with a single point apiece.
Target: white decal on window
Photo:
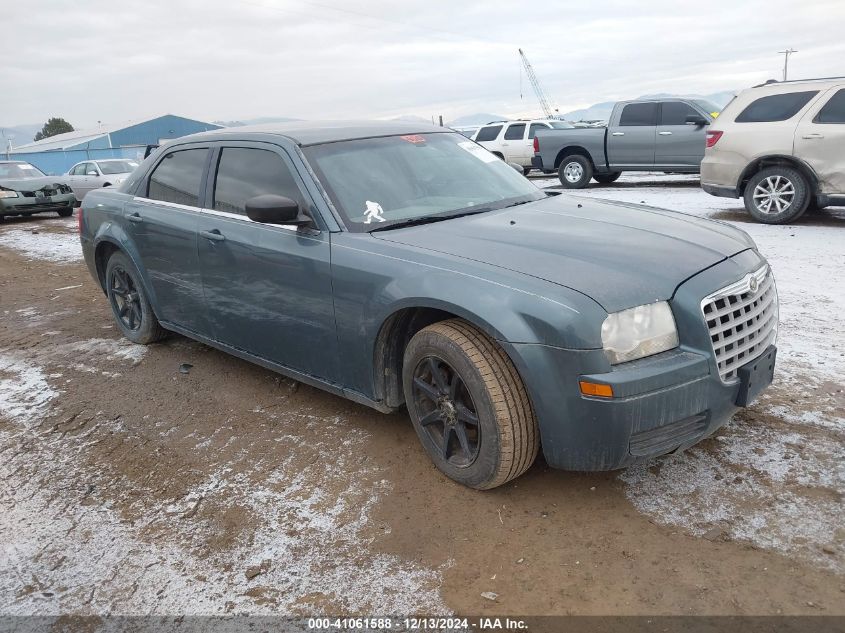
(479, 152)
(373, 212)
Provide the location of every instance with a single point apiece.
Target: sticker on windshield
(373, 212)
(416, 139)
(479, 152)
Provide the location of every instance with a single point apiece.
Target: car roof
(306, 133)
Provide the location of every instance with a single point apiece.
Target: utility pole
(786, 55)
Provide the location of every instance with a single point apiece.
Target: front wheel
(575, 171)
(131, 308)
(468, 405)
(777, 195)
(606, 179)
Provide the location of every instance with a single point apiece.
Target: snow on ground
(775, 476)
(60, 248)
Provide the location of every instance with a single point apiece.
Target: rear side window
(639, 114)
(532, 129)
(515, 132)
(834, 110)
(775, 107)
(676, 113)
(178, 176)
(488, 133)
(243, 173)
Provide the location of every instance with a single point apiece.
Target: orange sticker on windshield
(416, 139)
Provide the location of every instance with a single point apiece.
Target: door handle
(136, 218)
(812, 136)
(665, 133)
(214, 235)
(618, 133)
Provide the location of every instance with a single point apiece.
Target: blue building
(56, 154)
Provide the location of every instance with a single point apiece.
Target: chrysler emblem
(752, 284)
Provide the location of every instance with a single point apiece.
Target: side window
(532, 129)
(488, 133)
(79, 170)
(639, 114)
(515, 132)
(775, 107)
(86, 167)
(178, 176)
(834, 110)
(243, 173)
(676, 113)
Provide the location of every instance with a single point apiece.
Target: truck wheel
(575, 171)
(606, 179)
(468, 405)
(131, 308)
(777, 195)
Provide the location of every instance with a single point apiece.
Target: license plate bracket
(756, 376)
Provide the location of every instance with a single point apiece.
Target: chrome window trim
(223, 214)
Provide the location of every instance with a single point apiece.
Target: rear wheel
(777, 195)
(131, 308)
(575, 171)
(606, 179)
(468, 405)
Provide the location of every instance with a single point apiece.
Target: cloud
(101, 61)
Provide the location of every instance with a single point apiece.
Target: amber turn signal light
(594, 389)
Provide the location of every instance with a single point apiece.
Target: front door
(268, 288)
(820, 141)
(630, 140)
(162, 221)
(678, 144)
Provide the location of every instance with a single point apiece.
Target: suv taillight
(536, 144)
(713, 137)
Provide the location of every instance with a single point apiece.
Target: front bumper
(661, 403)
(26, 204)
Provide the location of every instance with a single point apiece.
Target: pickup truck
(645, 135)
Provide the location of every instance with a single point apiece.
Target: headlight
(638, 332)
(8, 193)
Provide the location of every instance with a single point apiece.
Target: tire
(606, 179)
(474, 380)
(124, 288)
(575, 171)
(526, 171)
(65, 213)
(793, 191)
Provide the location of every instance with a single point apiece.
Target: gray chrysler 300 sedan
(395, 263)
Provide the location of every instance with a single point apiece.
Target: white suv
(513, 141)
(781, 147)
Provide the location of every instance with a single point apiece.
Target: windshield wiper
(427, 219)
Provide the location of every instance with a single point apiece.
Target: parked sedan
(94, 174)
(401, 264)
(25, 189)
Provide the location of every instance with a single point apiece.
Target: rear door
(631, 139)
(820, 140)
(268, 288)
(513, 144)
(487, 137)
(678, 145)
(162, 222)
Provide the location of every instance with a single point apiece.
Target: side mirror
(697, 120)
(273, 209)
(92, 173)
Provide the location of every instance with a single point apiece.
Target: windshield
(379, 182)
(708, 106)
(117, 166)
(19, 170)
(561, 125)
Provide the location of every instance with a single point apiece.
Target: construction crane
(538, 90)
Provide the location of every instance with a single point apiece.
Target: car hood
(30, 184)
(621, 255)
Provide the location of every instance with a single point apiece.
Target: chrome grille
(742, 319)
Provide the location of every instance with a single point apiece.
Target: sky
(101, 60)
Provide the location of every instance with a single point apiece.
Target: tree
(53, 126)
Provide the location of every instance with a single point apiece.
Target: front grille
(666, 438)
(742, 319)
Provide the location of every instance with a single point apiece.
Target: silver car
(93, 174)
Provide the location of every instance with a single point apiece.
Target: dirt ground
(128, 486)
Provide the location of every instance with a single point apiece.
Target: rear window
(488, 133)
(515, 132)
(775, 107)
(639, 114)
(834, 110)
(177, 177)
